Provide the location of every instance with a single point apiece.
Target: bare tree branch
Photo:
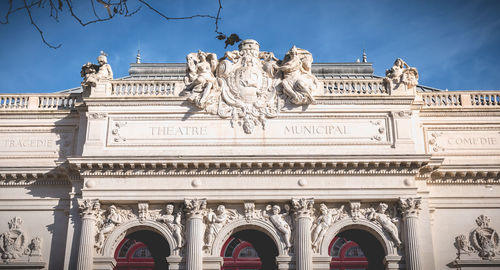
(110, 7)
(28, 10)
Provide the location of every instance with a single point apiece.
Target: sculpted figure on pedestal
(110, 222)
(388, 223)
(173, 223)
(401, 76)
(280, 223)
(92, 73)
(298, 81)
(323, 222)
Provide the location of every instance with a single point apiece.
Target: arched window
(239, 254)
(142, 250)
(132, 254)
(346, 254)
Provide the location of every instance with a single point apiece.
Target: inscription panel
(165, 132)
(478, 140)
(36, 141)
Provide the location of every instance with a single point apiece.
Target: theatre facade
(247, 161)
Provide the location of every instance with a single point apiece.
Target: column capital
(195, 208)
(89, 208)
(303, 207)
(410, 206)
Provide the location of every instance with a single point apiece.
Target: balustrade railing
(39, 102)
(142, 88)
(461, 99)
(347, 87)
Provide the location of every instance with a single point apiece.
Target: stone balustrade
(461, 99)
(354, 87)
(143, 88)
(39, 101)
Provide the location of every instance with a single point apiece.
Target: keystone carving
(482, 241)
(14, 243)
(249, 86)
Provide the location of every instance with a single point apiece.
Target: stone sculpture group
(248, 85)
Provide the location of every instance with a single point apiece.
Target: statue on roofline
(400, 77)
(93, 73)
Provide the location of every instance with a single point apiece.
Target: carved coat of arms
(249, 86)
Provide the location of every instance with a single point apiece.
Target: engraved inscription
(472, 141)
(447, 141)
(315, 130)
(178, 131)
(27, 143)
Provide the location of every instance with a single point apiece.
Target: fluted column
(195, 230)
(409, 208)
(88, 210)
(303, 248)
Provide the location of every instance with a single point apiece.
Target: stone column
(409, 208)
(195, 230)
(89, 210)
(303, 247)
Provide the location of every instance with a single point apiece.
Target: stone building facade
(285, 161)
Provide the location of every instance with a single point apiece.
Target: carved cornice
(463, 174)
(319, 165)
(26, 176)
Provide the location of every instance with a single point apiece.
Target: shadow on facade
(371, 247)
(263, 244)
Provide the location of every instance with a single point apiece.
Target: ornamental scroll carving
(483, 241)
(401, 77)
(14, 244)
(249, 86)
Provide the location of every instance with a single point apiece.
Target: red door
(239, 254)
(346, 255)
(133, 255)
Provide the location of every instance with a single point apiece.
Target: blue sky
(454, 44)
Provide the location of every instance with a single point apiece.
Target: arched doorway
(356, 249)
(249, 249)
(142, 250)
